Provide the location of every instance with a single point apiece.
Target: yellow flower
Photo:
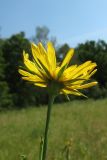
(61, 78)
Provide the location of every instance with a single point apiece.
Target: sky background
(70, 21)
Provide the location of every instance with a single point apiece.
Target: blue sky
(71, 21)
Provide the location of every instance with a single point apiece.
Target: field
(82, 123)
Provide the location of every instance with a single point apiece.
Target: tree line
(14, 92)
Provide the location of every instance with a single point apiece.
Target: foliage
(5, 96)
(12, 52)
(23, 94)
(97, 52)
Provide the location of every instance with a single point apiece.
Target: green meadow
(82, 123)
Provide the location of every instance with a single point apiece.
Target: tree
(12, 52)
(62, 50)
(42, 35)
(5, 96)
(96, 52)
(23, 94)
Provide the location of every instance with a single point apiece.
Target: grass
(82, 122)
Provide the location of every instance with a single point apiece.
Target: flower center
(54, 87)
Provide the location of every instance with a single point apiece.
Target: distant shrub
(5, 97)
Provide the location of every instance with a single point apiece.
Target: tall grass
(84, 123)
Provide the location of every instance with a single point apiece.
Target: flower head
(44, 71)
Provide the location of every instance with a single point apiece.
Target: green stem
(51, 100)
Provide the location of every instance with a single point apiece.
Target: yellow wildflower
(61, 78)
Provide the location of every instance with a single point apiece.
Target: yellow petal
(24, 73)
(85, 85)
(67, 73)
(89, 74)
(35, 51)
(70, 69)
(51, 55)
(85, 71)
(36, 54)
(40, 84)
(74, 82)
(81, 69)
(73, 92)
(44, 56)
(42, 49)
(30, 77)
(68, 57)
(40, 55)
(33, 79)
(31, 65)
(55, 73)
(92, 73)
